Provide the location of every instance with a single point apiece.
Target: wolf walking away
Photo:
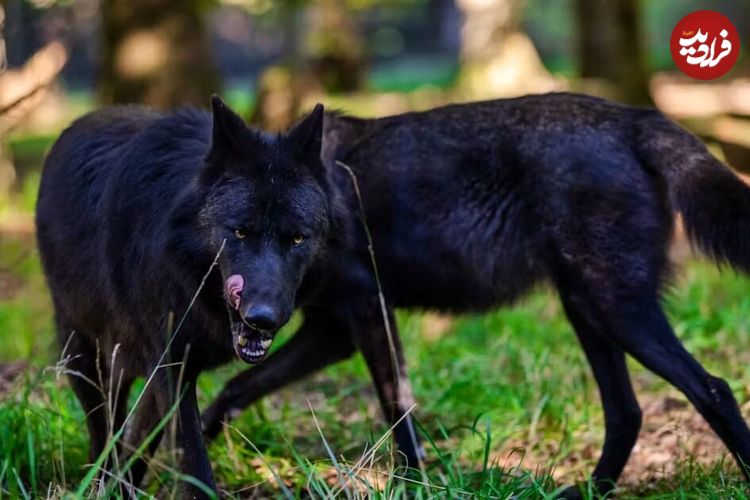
(469, 206)
(144, 219)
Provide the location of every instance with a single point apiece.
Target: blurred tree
(282, 87)
(611, 47)
(497, 58)
(487, 23)
(7, 171)
(155, 52)
(281, 90)
(331, 58)
(3, 56)
(334, 46)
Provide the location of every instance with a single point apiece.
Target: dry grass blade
(368, 456)
(331, 455)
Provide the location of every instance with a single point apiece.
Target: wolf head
(268, 200)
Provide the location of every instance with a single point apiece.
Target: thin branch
(7, 107)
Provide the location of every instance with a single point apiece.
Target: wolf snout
(264, 317)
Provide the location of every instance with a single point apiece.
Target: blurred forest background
(272, 60)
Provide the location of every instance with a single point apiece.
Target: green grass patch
(516, 375)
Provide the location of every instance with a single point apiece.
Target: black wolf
(134, 210)
(470, 205)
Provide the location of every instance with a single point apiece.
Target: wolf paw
(571, 493)
(211, 421)
(581, 491)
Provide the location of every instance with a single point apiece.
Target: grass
(512, 376)
(506, 404)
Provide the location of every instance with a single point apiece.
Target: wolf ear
(228, 129)
(306, 136)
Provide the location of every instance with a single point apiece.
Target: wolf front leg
(381, 349)
(194, 458)
(140, 443)
(177, 394)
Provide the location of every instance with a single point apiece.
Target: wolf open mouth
(250, 345)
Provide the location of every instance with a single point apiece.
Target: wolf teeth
(265, 344)
(242, 341)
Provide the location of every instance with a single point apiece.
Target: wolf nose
(263, 317)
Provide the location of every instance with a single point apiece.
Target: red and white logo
(705, 44)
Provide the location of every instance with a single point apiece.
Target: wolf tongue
(233, 287)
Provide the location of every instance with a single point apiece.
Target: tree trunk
(497, 59)
(610, 47)
(155, 52)
(334, 47)
(331, 58)
(3, 49)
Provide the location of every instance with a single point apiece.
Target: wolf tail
(713, 201)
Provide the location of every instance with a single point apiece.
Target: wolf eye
(298, 240)
(240, 234)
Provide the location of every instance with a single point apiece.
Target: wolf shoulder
(135, 137)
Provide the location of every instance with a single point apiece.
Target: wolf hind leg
(622, 414)
(642, 329)
(610, 275)
(630, 317)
